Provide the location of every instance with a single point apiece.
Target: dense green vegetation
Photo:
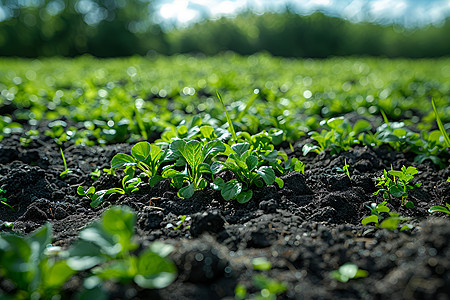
(96, 101)
(123, 28)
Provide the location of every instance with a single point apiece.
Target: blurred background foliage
(111, 28)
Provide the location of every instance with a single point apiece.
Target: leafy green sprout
(398, 185)
(442, 209)
(196, 158)
(129, 185)
(440, 125)
(392, 222)
(3, 200)
(248, 171)
(95, 175)
(348, 271)
(179, 223)
(144, 157)
(345, 168)
(230, 124)
(268, 288)
(66, 171)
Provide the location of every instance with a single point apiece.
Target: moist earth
(306, 230)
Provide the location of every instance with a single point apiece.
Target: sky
(409, 13)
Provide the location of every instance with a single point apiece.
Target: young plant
(348, 271)
(230, 124)
(196, 159)
(249, 172)
(398, 185)
(144, 157)
(66, 171)
(441, 209)
(3, 200)
(345, 168)
(108, 249)
(24, 262)
(95, 174)
(440, 125)
(392, 222)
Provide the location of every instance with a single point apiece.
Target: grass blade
(440, 125)
(230, 124)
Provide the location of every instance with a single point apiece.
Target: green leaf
(207, 131)
(212, 148)
(240, 148)
(161, 248)
(121, 160)
(231, 189)
(244, 197)
(84, 255)
(154, 180)
(396, 191)
(216, 167)
(57, 274)
(267, 174)
(141, 151)
(440, 125)
(438, 208)
(409, 204)
(187, 191)
(390, 223)
(230, 124)
(192, 152)
(154, 271)
(120, 221)
(370, 219)
(261, 264)
(279, 182)
(218, 184)
(252, 162)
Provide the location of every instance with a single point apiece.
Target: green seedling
(3, 200)
(440, 125)
(23, 261)
(230, 124)
(179, 223)
(95, 175)
(348, 271)
(97, 197)
(392, 222)
(249, 173)
(196, 160)
(441, 209)
(268, 288)
(398, 185)
(345, 168)
(338, 135)
(108, 248)
(144, 157)
(66, 171)
(448, 179)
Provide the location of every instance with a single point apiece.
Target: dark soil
(306, 230)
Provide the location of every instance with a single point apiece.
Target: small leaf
(121, 160)
(267, 174)
(240, 148)
(390, 223)
(280, 182)
(216, 167)
(396, 191)
(217, 184)
(438, 208)
(187, 191)
(244, 197)
(141, 151)
(409, 204)
(231, 189)
(251, 162)
(370, 219)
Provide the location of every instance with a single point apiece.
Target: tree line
(111, 28)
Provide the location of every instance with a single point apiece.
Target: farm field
(123, 178)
